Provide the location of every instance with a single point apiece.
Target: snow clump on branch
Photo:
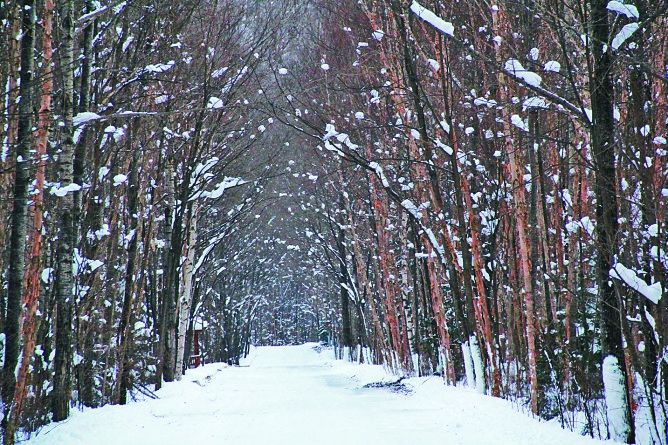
(514, 67)
(425, 14)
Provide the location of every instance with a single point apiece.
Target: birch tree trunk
(79, 161)
(172, 284)
(65, 250)
(186, 300)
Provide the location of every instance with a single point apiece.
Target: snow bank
(294, 395)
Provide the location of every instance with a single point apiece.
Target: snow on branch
(336, 148)
(652, 292)
(434, 20)
(86, 18)
(89, 17)
(546, 93)
(205, 253)
(352, 293)
(414, 211)
(623, 35)
(342, 138)
(158, 68)
(380, 173)
(514, 66)
(219, 189)
(629, 11)
(83, 117)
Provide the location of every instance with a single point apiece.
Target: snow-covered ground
(294, 395)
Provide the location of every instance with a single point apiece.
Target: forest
(471, 189)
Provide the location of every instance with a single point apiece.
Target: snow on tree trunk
(649, 412)
(468, 365)
(615, 399)
(186, 300)
(476, 356)
(347, 354)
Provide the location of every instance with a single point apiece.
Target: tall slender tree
(615, 381)
(17, 247)
(66, 234)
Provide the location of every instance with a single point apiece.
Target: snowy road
(294, 395)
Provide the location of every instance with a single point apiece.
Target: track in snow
(293, 395)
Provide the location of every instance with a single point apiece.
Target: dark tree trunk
(83, 106)
(17, 243)
(603, 146)
(126, 328)
(347, 334)
(163, 294)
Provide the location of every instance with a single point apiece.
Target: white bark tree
(186, 300)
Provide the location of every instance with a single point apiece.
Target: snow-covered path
(295, 395)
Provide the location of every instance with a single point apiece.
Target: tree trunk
(10, 64)
(347, 334)
(186, 300)
(516, 170)
(363, 281)
(30, 301)
(65, 251)
(79, 163)
(617, 391)
(126, 324)
(165, 307)
(17, 243)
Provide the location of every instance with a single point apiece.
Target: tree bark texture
(66, 234)
(17, 241)
(603, 147)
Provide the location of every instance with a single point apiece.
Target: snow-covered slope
(294, 395)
